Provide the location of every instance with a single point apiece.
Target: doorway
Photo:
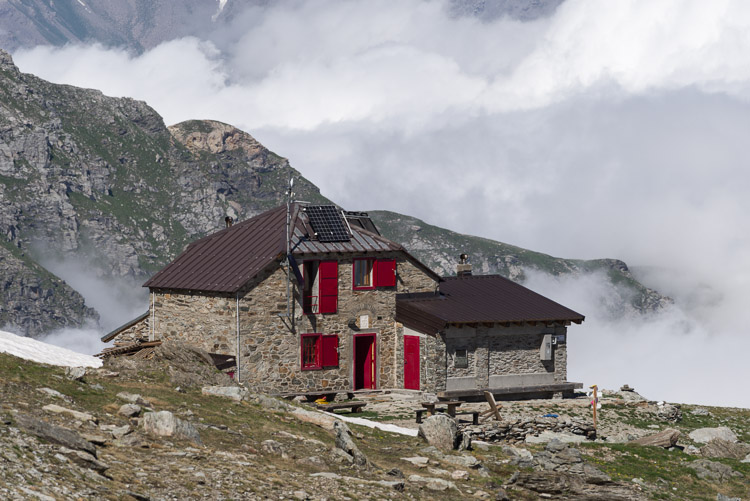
(411, 362)
(365, 375)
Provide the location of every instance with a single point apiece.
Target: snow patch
(37, 351)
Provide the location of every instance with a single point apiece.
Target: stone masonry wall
(498, 350)
(139, 330)
(270, 347)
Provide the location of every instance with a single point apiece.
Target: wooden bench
(354, 406)
(312, 396)
(474, 414)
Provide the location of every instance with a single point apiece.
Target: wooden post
(594, 402)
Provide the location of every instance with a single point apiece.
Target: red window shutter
(328, 280)
(385, 273)
(330, 351)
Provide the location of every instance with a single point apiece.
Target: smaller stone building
(313, 299)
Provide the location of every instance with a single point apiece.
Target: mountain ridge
(105, 181)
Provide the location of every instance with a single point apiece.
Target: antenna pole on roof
(289, 198)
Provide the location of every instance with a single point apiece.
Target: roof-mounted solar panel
(327, 223)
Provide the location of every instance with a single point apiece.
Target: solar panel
(327, 223)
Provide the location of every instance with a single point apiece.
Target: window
(319, 351)
(321, 290)
(363, 273)
(462, 359)
(370, 273)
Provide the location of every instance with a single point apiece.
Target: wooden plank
(493, 412)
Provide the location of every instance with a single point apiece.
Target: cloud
(603, 130)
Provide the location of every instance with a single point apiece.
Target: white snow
(31, 349)
(392, 428)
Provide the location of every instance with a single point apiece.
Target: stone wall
(503, 356)
(138, 331)
(270, 347)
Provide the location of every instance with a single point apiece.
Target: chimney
(463, 269)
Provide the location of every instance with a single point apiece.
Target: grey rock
(669, 412)
(75, 373)
(547, 436)
(165, 424)
(130, 410)
(81, 416)
(237, 393)
(116, 431)
(518, 456)
(722, 497)
(711, 470)
(418, 461)
(55, 434)
(132, 440)
(562, 458)
(631, 396)
(705, 435)
(133, 398)
(718, 448)
(665, 438)
(345, 443)
(84, 459)
(273, 447)
(54, 394)
(440, 431)
(434, 484)
(700, 412)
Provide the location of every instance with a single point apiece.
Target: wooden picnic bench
(450, 408)
(354, 406)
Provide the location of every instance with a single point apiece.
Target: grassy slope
(234, 463)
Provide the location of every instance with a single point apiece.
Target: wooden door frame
(374, 337)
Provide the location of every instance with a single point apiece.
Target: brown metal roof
(228, 259)
(479, 299)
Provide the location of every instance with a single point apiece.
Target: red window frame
(324, 298)
(318, 351)
(356, 287)
(382, 273)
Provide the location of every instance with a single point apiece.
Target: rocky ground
(174, 428)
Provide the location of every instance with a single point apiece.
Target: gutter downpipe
(153, 316)
(237, 356)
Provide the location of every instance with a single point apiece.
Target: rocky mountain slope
(103, 180)
(440, 248)
(139, 25)
(175, 428)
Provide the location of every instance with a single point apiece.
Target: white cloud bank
(608, 129)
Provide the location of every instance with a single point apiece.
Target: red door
(411, 362)
(364, 361)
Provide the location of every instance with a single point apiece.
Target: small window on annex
(462, 359)
(363, 273)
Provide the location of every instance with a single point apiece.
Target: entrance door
(364, 361)
(411, 362)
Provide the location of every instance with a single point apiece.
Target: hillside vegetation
(67, 435)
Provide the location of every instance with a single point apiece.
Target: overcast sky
(610, 129)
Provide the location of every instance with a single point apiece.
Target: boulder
(440, 431)
(669, 412)
(81, 416)
(665, 438)
(55, 434)
(165, 424)
(133, 398)
(84, 459)
(345, 443)
(718, 448)
(75, 373)
(130, 410)
(236, 393)
(711, 470)
(705, 435)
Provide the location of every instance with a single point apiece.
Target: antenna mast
(289, 197)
